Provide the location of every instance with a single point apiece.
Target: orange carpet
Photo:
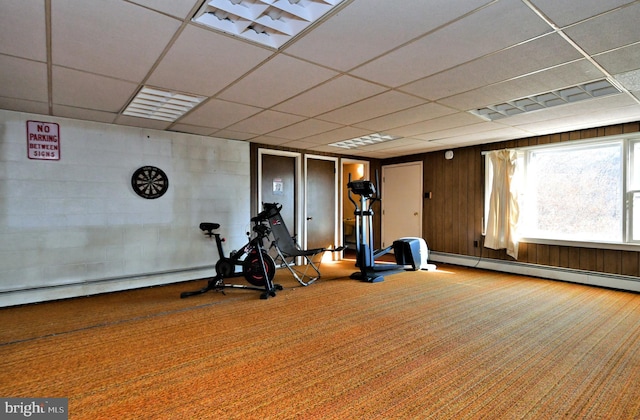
(450, 344)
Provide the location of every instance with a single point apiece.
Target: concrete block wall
(75, 226)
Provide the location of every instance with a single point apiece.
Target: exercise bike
(258, 268)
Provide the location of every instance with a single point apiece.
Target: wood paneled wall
(374, 165)
(453, 216)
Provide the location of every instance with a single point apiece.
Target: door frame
(337, 240)
(366, 173)
(421, 188)
(298, 177)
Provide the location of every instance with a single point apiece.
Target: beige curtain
(503, 205)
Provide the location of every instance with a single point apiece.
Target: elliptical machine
(366, 257)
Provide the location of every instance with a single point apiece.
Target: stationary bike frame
(258, 268)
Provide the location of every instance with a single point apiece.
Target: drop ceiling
(413, 69)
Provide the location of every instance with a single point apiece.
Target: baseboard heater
(42, 293)
(612, 281)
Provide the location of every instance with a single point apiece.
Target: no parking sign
(43, 140)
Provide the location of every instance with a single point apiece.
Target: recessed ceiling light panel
(159, 104)
(268, 22)
(568, 95)
(364, 141)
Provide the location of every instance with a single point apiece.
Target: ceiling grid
(429, 73)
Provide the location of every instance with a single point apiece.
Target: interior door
(321, 203)
(278, 185)
(401, 202)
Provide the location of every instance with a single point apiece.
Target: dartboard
(150, 182)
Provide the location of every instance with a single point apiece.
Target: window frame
(631, 188)
(628, 142)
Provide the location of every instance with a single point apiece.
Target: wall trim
(612, 281)
(94, 287)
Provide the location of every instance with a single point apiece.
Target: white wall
(75, 226)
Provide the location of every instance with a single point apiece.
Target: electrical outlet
(476, 244)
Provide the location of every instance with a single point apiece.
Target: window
(578, 191)
(634, 190)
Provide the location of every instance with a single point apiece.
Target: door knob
(309, 218)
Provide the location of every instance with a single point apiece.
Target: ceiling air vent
(268, 22)
(547, 100)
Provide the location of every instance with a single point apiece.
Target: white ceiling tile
(437, 124)
(406, 117)
(547, 51)
(503, 24)
(456, 142)
(22, 29)
(565, 12)
(142, 122)
(23, 79)
(305, 128)
(85, 90)
(233, 135)
(620, 60)
(218, 114)
(178, 8)
(610, 116)
(555, 78)
(136, 37)
(299, 144)
(336, 93)
(465, 130)
(273, 141)
(192, 129)
(336, 150)
(397, 148)
(607, 31)
(459, 137)
(406, 150)
(84, 114)
(629, 80)
(367, 28)
(394, 144)
(265, 122)
(22, 105)
(340, 134)
(204, 62)
(275, 81)
(376, 106)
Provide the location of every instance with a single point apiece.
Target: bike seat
(209, 227)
